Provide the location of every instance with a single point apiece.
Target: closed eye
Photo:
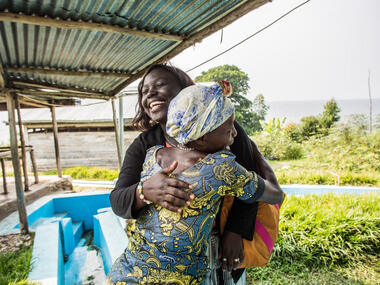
(159, 84)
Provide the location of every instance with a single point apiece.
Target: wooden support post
(34, 166)
(56, 144)
(4, 176)
(16, 164)
(22, 140)
(116, 126)
(121, 128)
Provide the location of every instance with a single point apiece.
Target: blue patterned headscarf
(196, 111)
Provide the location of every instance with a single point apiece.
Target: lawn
(328, 239)
(305, 171)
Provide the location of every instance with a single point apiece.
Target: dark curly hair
(142, 121)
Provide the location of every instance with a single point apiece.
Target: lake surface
(293, 111)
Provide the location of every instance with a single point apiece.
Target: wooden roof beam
(68, 24)
(29, 83)
(65, 72)
(63, 94)
(33, 102)
(191, 40)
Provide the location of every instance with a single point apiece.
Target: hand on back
(166, 191)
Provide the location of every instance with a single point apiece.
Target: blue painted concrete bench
(47, 262)
(109, 236)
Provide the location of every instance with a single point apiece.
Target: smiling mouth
(154, 106)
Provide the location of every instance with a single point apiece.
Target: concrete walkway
(47, 185)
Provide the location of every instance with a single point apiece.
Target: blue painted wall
(45, 211)
(83, 207)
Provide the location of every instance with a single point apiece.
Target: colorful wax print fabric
(196, 111)
(168, 247)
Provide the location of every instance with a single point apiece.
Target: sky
(322, 50)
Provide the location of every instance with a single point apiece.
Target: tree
(239, 81)
(260, 111)
(259, 106)
(330, 114)
(310, 126)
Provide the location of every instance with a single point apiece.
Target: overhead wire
(247, 38)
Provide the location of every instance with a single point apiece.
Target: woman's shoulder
(219, 157)
(153, 150)
(150, 161)
(151, 137)
(226, 154)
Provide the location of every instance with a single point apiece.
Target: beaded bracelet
(141, 195)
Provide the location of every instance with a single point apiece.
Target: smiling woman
(160, 84)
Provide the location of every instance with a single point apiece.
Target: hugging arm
(123, 195)
(159, 188)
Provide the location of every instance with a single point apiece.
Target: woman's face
(222, 136)
(160, 87)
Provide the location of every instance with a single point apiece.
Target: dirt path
(14, 242)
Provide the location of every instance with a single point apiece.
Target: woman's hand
(231, 251)
(165, 191)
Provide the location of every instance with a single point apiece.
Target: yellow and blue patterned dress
(166, 247)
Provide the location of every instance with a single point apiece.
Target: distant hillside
(295, 110)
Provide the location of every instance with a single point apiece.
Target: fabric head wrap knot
(196, 111)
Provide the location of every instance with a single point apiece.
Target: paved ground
(46, 186)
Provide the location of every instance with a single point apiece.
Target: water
(325, 189)
(293, 111)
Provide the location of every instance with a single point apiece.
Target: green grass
(15, 266)
(298, 273)
(304, 171)
(87, 173)
(328, 239)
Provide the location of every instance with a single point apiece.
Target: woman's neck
(169, 139)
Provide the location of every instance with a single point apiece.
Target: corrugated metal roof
(99, 46)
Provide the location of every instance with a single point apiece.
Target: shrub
(292, 131)
(278, 146)
(350, 150)
(310, 126)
